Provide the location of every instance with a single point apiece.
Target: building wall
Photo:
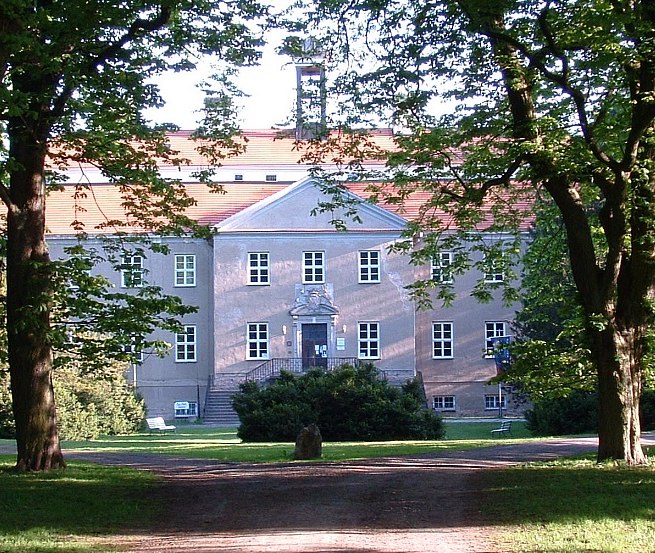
(465, 376)
(164, 381)
(238, 303)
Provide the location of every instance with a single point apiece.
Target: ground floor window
(443, 403)
(186, 409)
(493, 401)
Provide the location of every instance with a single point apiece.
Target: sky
(271, 90)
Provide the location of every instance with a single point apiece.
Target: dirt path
(405, 504)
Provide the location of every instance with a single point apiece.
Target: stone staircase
(218, 402)
(218, 408)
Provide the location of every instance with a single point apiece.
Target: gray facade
(277, 285)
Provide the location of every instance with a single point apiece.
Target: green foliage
(89, 404)
(347, 404)
(577, 413)
(7, 423)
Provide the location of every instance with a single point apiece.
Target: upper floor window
(238, 177)
(369, 266)
(368, 340)
(493, 270)
(313, 267)
(132, 271)
(442, 340)
(258, 268)
(441, 267)
(185, 270)
(271, 178)
(185, 345)
(492, 330)
(257, 341)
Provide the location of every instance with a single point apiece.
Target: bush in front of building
(578, 414)
(88, 405)
(349, 403)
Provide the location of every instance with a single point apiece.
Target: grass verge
(68, 510)
(572, 506)
(222, 444)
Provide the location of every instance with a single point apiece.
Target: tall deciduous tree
(547, 95)
(75, 78)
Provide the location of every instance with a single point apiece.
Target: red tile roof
(99, 203)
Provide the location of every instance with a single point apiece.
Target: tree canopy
(75, 80)
(547, 98)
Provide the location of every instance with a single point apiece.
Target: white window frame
(444, 403)
(369, 266)
(491, 402)
(492, 330)
(257, 341)
(492, 273)
(132, 271)
(368, 340)
(131, 350)
(259, 269)
(186, 345)
(443, 340)
(440, 271)
(313, 267)
(185, 270)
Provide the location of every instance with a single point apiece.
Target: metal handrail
(273, 367)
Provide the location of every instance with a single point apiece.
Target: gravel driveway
(411, 504)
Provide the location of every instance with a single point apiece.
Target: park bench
(505, 428)
(157, 424)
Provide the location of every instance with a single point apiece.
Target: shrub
(574, 414)
(578, 414)
(88, 405)
(347, 404)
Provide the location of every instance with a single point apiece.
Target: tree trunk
(617, 356)
(28, 307)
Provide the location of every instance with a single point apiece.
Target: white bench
(505, 428)
(157, 424)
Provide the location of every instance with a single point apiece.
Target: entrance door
(314, 346)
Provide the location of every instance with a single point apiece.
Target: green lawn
(572, 506)
(69, 510)
(560, 507)
(222, 444)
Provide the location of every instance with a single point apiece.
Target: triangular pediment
(291, 210)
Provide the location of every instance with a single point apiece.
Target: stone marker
(309, 443)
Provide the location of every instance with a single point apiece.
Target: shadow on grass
(41, 511)
(568, 492)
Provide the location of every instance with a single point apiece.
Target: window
(493, 401)
(185, 270)
(441, 271)
(185, 409)
(136, 355)
(185, 345)
(258, 268)
(132, 271)
(369, 266)
(493, 271)
(442, 340)
(313, 267)
(369, 340)
(257, 341)
(443, 403)
(238, 177)
(271, 178)
(493, 329)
